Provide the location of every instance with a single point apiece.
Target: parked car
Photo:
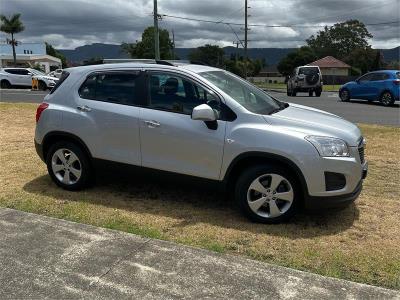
(10, 77)
(272, 157)
(382, 86)
(305, 79)
(56, 73)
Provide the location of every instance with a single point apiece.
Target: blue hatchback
(383, 86)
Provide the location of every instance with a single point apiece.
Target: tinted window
(177, 94)
(366, 77)
(308, 71)
(379, 76)
(64, 76)
(12, 71)
(23, 72)
(121, 88)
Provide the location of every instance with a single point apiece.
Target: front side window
(177, 94)
(247, 95)
(115, 87)
(367, 77)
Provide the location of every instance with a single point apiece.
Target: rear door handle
(84, 108)
(152, 124)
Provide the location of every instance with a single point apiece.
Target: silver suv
(272, 157)
(305, 79)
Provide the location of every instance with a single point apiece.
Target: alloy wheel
(66, 166)
(344, 95)
(270, 195)
(386, 99)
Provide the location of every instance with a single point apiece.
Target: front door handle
(152, 124)
(84, 108)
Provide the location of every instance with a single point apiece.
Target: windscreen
(247, 95)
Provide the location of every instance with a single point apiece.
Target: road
(354, 111)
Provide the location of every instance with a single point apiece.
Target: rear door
(170, 139)
(377, 85)
(25, 77)
(106, 115)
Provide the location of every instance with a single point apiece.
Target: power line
(266, 25)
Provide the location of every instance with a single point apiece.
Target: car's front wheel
(267, 194)
(344, 95)
(68, 166)
(386, 99)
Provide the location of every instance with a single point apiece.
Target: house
(28, 54)
(268, 74)
(331, 66)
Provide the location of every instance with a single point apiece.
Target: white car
(56, 73)
(10, 77)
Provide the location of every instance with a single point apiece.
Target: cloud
(70, 23)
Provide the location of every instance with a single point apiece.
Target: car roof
(190, 67)
(386, 71)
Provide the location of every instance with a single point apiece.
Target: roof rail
(152, 61)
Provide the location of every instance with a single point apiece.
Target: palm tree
(12, 25)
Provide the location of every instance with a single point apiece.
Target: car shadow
(372, 103)
(191, 202)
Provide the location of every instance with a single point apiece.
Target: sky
(67, 24)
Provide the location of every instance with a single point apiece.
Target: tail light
(40, 109)
(396, 82)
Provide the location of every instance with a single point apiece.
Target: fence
(337, 79)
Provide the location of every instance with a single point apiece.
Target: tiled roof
(329, 62)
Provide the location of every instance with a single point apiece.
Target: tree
(300, 57)
(212, 55)
(340, 39)
(364, 59)
(50, 50)
(12, 25)
(145, 47)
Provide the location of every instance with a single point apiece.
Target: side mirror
(30, 74)
(203, 112)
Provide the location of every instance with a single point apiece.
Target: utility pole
(237, 50)
(173, 44)
(245, 38)
(156, 34)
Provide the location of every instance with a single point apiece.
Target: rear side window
(115, 87)
(380, 76)
(12, 71)
(64, 76)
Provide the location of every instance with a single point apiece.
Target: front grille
(361, 153)
(361, 150)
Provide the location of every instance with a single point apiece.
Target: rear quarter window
(64, 76)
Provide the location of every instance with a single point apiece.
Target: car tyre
(344, 95)
(294, 92)
(258, 191)
(318, 93)
(310, 93)
(5, 84)
(42, 86)
(386, 98)
(69, 166)
(288, 92)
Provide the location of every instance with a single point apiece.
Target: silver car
(272, 157)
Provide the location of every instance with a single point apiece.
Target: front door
(170, 139)
(362, 89)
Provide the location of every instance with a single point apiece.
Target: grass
(282, 86)
(360, 243)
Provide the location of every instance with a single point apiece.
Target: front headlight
(329, 146)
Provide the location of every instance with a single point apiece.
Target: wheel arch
(57, 136)
(247, 159)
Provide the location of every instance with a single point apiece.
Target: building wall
(335, 71)
(276, 79)
(24, 48)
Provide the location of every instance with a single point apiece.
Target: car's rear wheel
(310, 93)
(318, 93)
(5, 84)
(294, 92)
(288, 92)
(68, 166)
(42, 86)
(267, 194)
(386, 99)
(344, 95)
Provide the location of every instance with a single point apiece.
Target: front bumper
(338, 201)
(311, 202)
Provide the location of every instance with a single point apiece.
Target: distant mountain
(272, 56)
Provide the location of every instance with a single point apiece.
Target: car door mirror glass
(204, 112)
